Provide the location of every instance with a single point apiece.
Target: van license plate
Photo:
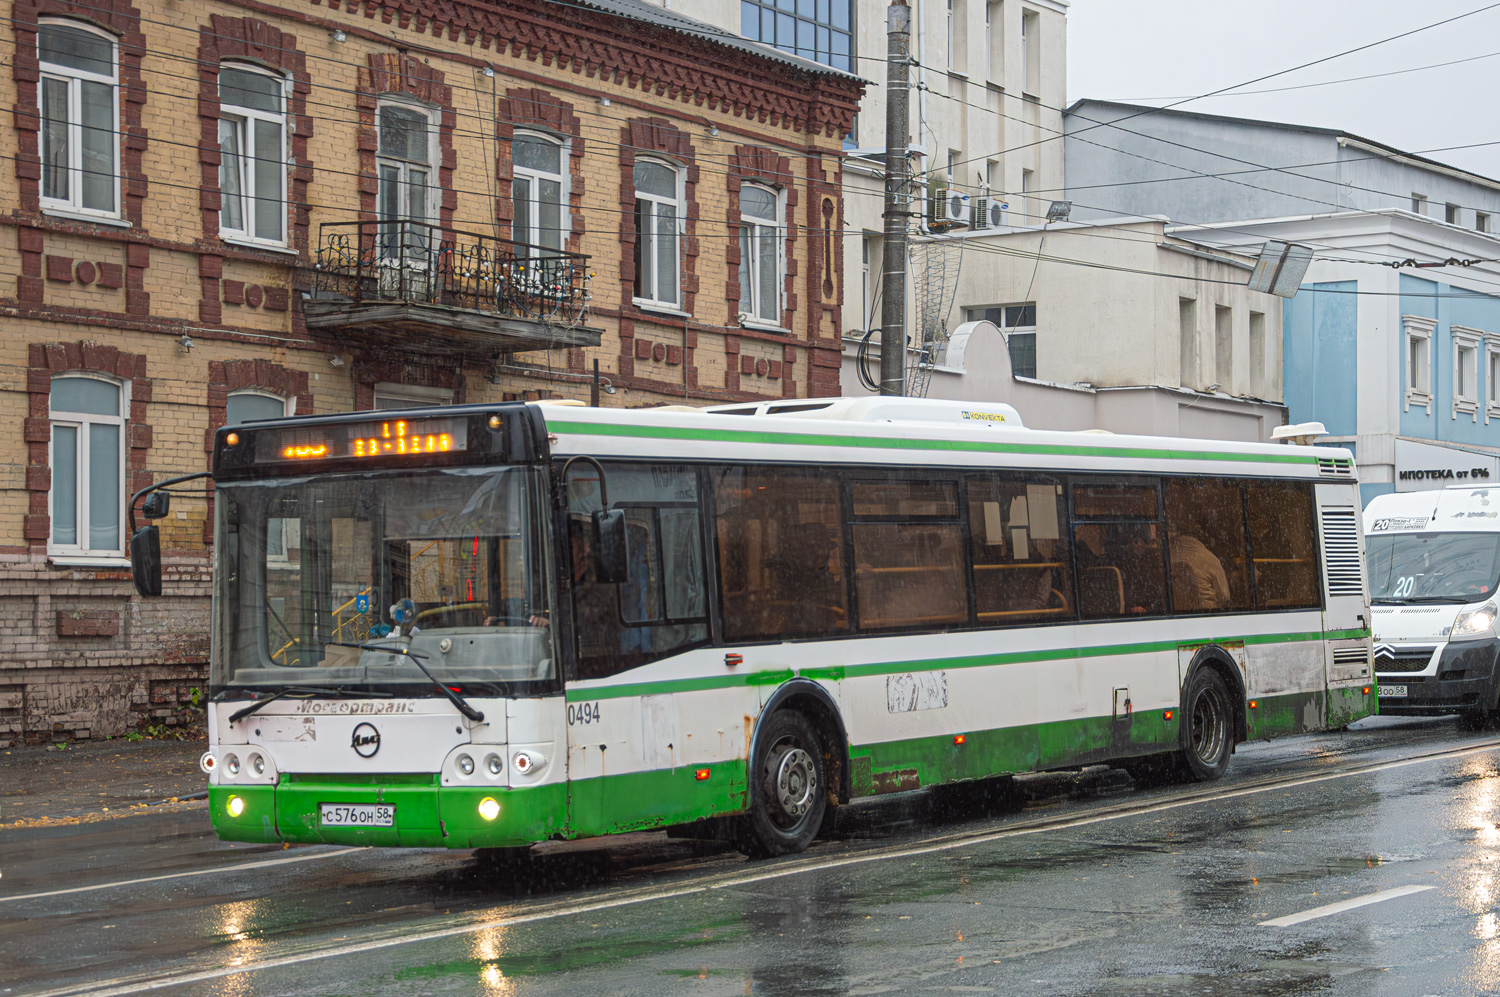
(356, 815)
(1391, 691)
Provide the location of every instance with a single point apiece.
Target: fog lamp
(489, 808)
(257, 765)
(466, 764)
(494, 764)
(235, 806)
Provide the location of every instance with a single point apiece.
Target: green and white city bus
(491, 626)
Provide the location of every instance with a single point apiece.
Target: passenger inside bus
(1199, 583)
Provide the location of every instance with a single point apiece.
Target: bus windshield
(1433, 567)
(446, 565)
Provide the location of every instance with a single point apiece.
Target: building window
(993, 59)
(1031, 62)
(88, 466)
(822, 32)
(760, 254)
(1187, 342)
(252, 167)
(80, 107)
(1450, 214)
(1465, 369)
(1491, 378)
(1258, 354)
(248, 406)
(657, 221)
(400, 396)
(1481, 221)
(405, 161)
(1018, 324)
(1418, 203)
(1027, 183)
(540, 191)
(1418, 331)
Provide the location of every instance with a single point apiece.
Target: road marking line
(264, 864)
(1343, 905)
(121, 986)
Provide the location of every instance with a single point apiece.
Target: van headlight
(1475, 621)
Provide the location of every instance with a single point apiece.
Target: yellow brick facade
(153, 297)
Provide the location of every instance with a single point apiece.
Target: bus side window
(1118, 548)
(1283, 544)
(908, 554)
(1020, 560)
(781, 553)
(1206, 545)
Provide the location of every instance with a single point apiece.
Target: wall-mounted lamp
(1058, 211)
(604, 102)
(186, 341)
(338, 35)
(489, 70)
(335, 361)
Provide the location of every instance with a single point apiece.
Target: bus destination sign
(389, 438)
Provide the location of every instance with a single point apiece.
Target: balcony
(394, 284)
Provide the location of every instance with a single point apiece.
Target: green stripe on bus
(888, 443)
(837, 673)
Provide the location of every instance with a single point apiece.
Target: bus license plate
(356, 815)
(1391, 691)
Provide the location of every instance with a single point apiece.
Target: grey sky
(1162, 49)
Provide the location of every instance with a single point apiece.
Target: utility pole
(897, 197)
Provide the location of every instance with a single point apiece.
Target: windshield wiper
(301, 690)
(417, 658)
(1458, 599)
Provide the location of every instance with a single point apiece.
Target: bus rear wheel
(1207, 726)
(789, 788)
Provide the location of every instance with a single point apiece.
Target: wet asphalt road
(1076, 889)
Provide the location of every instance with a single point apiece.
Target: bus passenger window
(781, 564)
(1283, 544)
(908, 564)
(1021, 565)
(1117, 544)
(1206, 545)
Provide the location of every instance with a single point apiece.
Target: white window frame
(1491, 377)
(753, 313)
(1417, 331)
(532, 203)
(1466, 346)
(81, 421)
(654, 299)
(74, 79)
(243, 120)
(403, 168)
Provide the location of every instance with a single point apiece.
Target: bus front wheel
(789, 787)
(1207, 726)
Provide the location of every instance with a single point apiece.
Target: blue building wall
(1447, 306)
(1319, 376)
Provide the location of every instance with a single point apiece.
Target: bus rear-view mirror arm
(145, 542)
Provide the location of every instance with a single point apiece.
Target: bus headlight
(232, 765)
(235, 806)
(1476, 621)
(466, 764)
(494, 764)
(489, 808)
(257, 765)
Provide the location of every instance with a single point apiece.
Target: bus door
(1346, 613)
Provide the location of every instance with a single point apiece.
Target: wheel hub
(796, 781)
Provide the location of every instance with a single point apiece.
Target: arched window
(760, 254)
(79, 96)
(540, 191)
(658, 218)
(245, 406)
(252, 168)
(88, 465)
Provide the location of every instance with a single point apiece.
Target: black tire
(789, 786)
(1207, 726)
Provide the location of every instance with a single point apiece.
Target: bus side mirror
(156, 505)
(145, 560)
(611, 563)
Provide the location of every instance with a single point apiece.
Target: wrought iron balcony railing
(371, 262)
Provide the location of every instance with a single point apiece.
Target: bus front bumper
(425, 816)
(1464, 680)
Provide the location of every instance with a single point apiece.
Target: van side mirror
(145, 560)
(156, 505)
(611, 560)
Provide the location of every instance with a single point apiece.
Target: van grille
(1408, 658)
(1341, 550)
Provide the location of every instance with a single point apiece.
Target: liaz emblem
(366, 740)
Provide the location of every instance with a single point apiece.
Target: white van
(1434, 563)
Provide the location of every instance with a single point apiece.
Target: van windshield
(1433, 567)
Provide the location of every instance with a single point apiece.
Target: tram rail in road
(450, 926)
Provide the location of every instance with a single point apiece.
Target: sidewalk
(96, 780)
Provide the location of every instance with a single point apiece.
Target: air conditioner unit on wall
(949, 206)
(989, 212)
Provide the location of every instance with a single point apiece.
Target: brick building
(224, 211)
